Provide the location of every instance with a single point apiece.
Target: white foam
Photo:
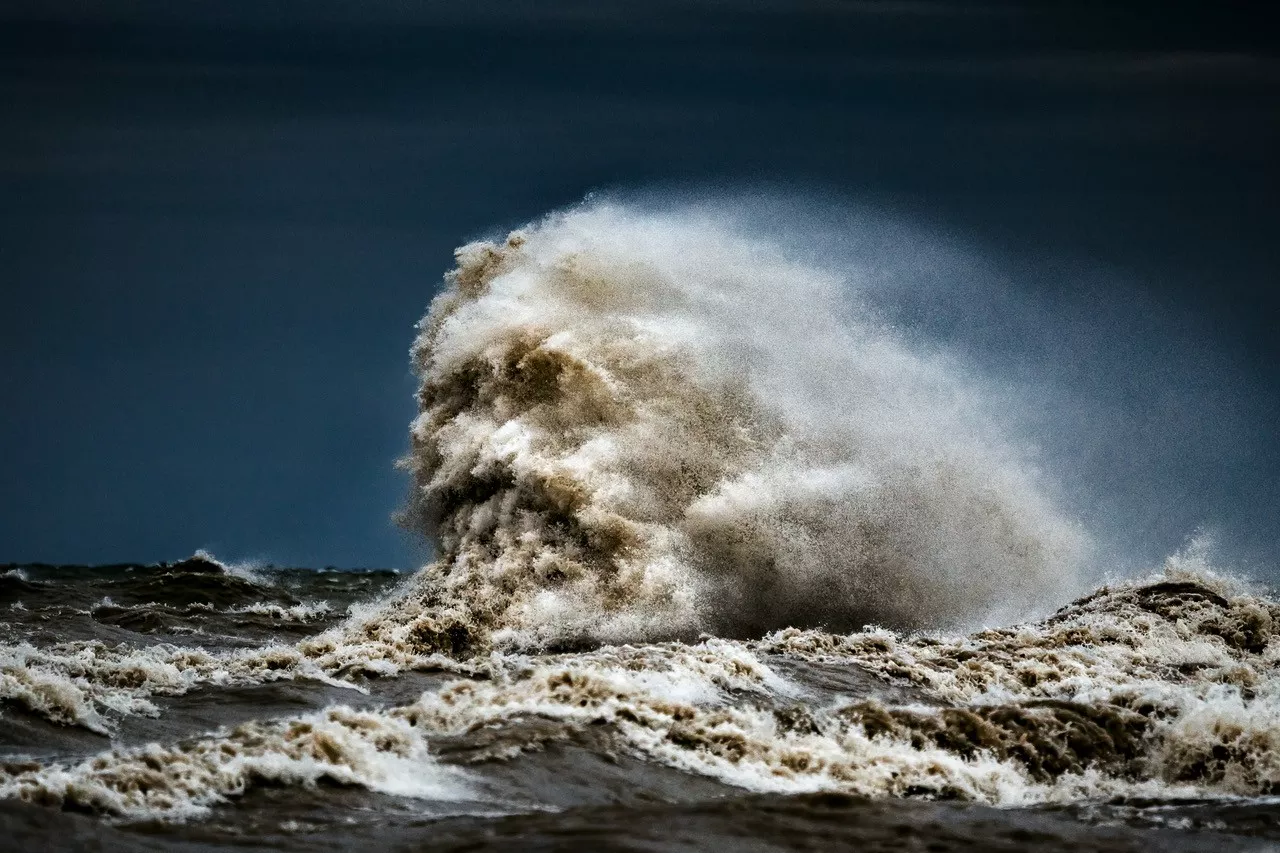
(304, 612)
(378, 751)
(90, 684)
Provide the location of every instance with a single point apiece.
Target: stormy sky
(222, 219)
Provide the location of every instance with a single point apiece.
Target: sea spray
(637, 426)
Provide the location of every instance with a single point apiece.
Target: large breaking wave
(638, 426)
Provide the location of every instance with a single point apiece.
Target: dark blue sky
(221, 220)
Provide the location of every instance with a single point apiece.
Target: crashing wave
(639, 427)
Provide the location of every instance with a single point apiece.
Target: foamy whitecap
(304, 612)
(377, 751)
(91, 684)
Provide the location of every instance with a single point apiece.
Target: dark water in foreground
(248, 757)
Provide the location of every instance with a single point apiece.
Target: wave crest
(638, 427)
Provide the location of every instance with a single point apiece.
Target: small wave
(15, 585)
(379, 751)
(198, 580)
(304, 612)
(90, 684)
(80, 683)
(254, 571)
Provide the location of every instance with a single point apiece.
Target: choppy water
(1143, 716)
(672, 477)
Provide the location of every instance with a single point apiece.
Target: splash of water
(637, 426)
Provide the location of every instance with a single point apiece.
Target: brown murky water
(115, 734)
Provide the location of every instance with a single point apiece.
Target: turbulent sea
(723, 561)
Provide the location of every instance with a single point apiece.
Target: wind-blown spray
(638, 426)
